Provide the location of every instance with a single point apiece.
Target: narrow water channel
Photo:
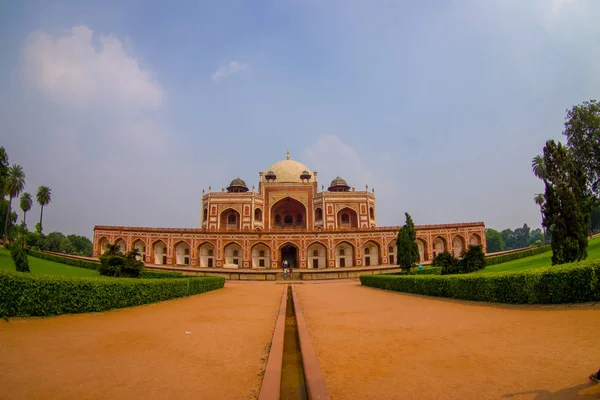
(292, 374)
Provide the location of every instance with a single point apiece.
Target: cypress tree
(407, 249)
(564, 213)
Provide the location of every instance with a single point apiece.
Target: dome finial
(287, 155)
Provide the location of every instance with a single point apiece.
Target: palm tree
(26, 202)
(540, 200)
(113, 249)
(134, 254)
(44, 196)
(13, 186)
(538, 167)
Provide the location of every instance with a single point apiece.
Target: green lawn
(538, 261)
(39, 266)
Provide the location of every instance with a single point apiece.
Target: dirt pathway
(145, 352)
(374, 344)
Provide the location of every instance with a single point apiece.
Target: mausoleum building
(288, 217)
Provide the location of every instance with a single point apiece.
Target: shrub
(120, 266)
(473, 259)
(448, 263)
(19, 257)
(517, 255)
(41, 295)
(110, 265)
(568, 283)
(132, 268)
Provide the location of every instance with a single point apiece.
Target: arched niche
(288, 213)
(347, 218)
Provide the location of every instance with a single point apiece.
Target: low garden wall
(25, 295)
(569, 283)
(277, 274)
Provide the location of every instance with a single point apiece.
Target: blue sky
(129, 109)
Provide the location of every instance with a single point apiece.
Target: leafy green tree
(406, 245)
(521, 236)
(26, 203)
(43, 196)
(13, 186)
(494, 241)
(35, 240)
(53, 241)
(508, 238)
(66, 246)
(595, 217)
(537, 165)
(536, 237)
(582, 129)
(12, 218)
(3, 171)
(82, 245)
(564, 214)
(539, 199)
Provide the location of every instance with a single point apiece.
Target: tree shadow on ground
(566, 393)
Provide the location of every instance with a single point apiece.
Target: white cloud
(557, 5)
(97, 118)
(229, 69)
(331, 156)
(102, 92)
(72, 70)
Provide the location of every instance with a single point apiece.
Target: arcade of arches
(288, 216)
(262, 251)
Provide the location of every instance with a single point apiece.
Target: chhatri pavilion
(287, 218)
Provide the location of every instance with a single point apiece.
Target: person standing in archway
(286, 268)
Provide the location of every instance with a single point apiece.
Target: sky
(129, 109)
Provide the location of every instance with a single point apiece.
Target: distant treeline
(57, 242)
(509, 239)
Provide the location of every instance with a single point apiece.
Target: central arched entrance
(288, 213)
(290, 253)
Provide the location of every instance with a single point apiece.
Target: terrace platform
(277, 274)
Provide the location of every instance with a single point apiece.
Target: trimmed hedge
(64, 260)
(429, 271)
(569, 283)
(23, 295)
(515, 256)
(149, 274)
(424, 271)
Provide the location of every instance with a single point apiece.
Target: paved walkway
(145, 352)
(374, 344)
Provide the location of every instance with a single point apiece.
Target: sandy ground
(373, 344)
(144, 352)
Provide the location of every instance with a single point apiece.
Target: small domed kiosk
(338, 185)
(237, 186)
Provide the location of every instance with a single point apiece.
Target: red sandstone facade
(287, 218)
